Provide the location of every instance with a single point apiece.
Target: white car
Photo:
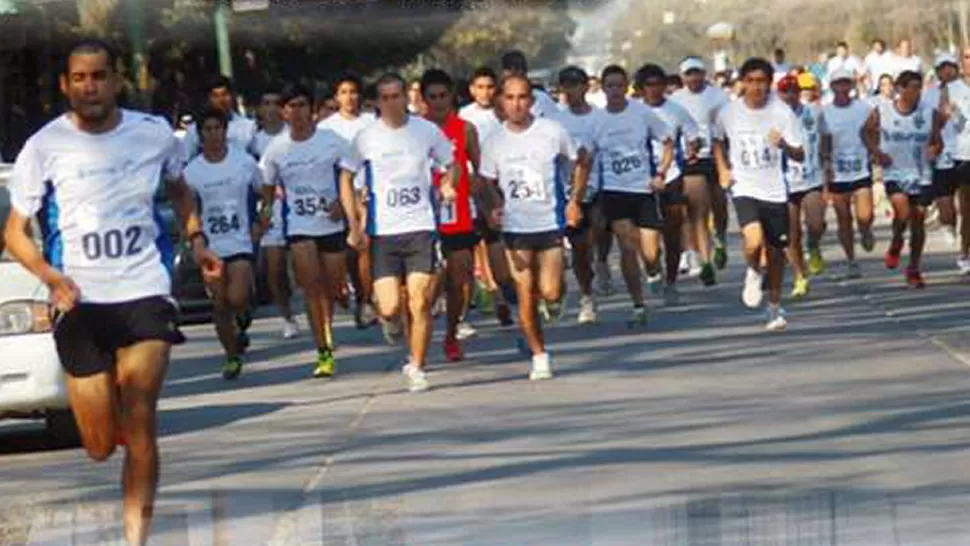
(32, 382)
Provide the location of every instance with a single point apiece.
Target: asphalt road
(851, 428)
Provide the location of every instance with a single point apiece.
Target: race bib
(756, 153)
(848, 164)
(448, 213)
(222, 219)
(403, 197)
(110, 238)
(623, 164)
(311, 205)
(526, 185)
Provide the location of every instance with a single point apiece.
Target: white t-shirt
(227, 195)
(542, 104)
(274, 234)
(905, 138)
(850, 158)
(239, 134)
(484, 119)
(94, 195)
(261, 141)
(807, 175)
(531, 169)
(623, 146)
(703, 107)
(900, 64)
(949, 132)
(876, 65)
(755, 164)
(309, 173)
(347, 128)
(685, 130)
(581, 128)
(597, 98)
(395, 165)
(850, 63)
(959, 96)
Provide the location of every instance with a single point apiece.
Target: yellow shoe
(799, 288)
(816, 264)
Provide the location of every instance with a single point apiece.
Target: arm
(871, 138)
(581, 172)
(352, 209)
(720, 159)
(935, 145)
(797, 153)
(21, 246)
(825, 153)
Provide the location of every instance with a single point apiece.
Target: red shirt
(457, 218)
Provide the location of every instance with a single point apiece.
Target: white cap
(691, 63)
(945, 58)
(841, 74)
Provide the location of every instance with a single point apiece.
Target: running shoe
(671, 295)
(231, 369)
(776, 319)
(752, 295)
(603, 279)
(541, 369)
(868, 240)
(639, 317)
(587, 310)
(720, 254)
(655, 283)
(504, 314)
(392, 330)
(290, 329)
(853, 270)
(416, 378)
(707, 275)
(891, 258)
(816, 263)
(914, 278)
(466, 331)
(963, 264)
(242, 342)
(453, 351)
(326, 366)
(799, 288)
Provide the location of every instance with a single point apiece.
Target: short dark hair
(675, 79)
(879, 41)
(349, 77)
(293, 91)
(907, 77)
(779, 52)
(391, 77)
(648, 72)
(91, 46)
(436, 76)
(218, 82)
(756, 64)
(273, 88)
(613, 69)
(514, 61)
(572, 75)
(483, 72)
(842, 43)
(520, 77)
(208, 113)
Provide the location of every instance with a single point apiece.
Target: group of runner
(369, 206)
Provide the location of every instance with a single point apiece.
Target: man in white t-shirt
(595, 96)
(632, 181)
(242, 130)
(347, 122)
(90, 177)
(528, 160)
(758, 131)
(843, 60)
(481, 112)
(957, 110)
(225, 181)
(904, 59)
(305, 163)
(877, 62)
(393, 160)
(945, 179)
(514, 64)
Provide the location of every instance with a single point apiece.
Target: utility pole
(221, 20)
(135, 16)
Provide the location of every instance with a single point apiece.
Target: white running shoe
(603, 279)
(963, 264)
(417, 379)
(950, 237)
(465, 331)
(290, 329)
(671, 295)
(684, 266)
(392, 330)
(776, 319)
(540, 367)
(694, 264)
(587, 310)
(439, 308)
(753, 294)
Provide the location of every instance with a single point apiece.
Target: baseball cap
(806, 80)
(691, 63)
(840, 74)
(945, 58)
(787, 83)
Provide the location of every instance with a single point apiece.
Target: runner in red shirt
(456, 220)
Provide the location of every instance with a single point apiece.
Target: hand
(65, 294)
(209, 263)
(448, 193)
(496, 218)
(727, 178)
(574, 214)
(934, 151)
(336, 212)
(357, 240)
(775, 138)
(883, 159)
(659, 183)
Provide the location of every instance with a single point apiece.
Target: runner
(221, 96)
(651, 80)
(704, 195)
(958, 109)
(90, 176)
(805, 187)
(753, 136)
(849, 181)
(456, 219)
(481, 112)
(347, 122)
(580, 120)
(526, 160)
(904, 137)
(632, 180)
(945, 180)
(273, 243)
(514, 64)
(304, 162)
(225, 181)
(393, 159)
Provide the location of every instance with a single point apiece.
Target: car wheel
(62, 429)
